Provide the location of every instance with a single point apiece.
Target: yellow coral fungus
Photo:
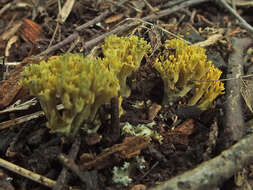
(185, 69)
(123, 55)
(81, 84)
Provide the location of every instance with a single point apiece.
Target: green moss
(187, 69)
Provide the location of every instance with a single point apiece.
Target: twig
(27, 173)
(86, 177)
(212, 173)
(64, 175)
(234, 125)
(59, 45)
(22, 119)
(75, 35)
(172, 3)
(171, 10)
(93, 21)
(100, 17)
(120, 28)
(242, 21)
(151, 17)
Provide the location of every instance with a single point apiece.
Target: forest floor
(34, 30)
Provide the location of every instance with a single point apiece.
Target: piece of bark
(129, 148)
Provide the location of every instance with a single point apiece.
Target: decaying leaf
(10, 88)
(30, 31)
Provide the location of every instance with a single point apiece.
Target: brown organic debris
(186, 127)
(129, 148)
(30, 31)
(10, 88)
(153, 111)
(114, 18)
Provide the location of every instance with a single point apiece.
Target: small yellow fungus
(186, 69)
(123, 55)
(81, 84)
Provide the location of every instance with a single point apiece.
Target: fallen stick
(25, 118)
(234, 121)
(27, 173)
(214, 172)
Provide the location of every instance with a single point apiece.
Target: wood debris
(129, 148)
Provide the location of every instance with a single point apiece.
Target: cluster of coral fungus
(186, 70)
(83, 84)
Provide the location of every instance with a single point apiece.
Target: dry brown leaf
(114, 18)
(10, 88)
(66, 10)
(30, 31)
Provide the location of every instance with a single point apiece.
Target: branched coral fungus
(186, 68)
(81, 84)
(123, 55)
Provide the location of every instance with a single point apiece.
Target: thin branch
(214, 172)
(27, 173)
(65, 175)
(234, 125)
(242, 21)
